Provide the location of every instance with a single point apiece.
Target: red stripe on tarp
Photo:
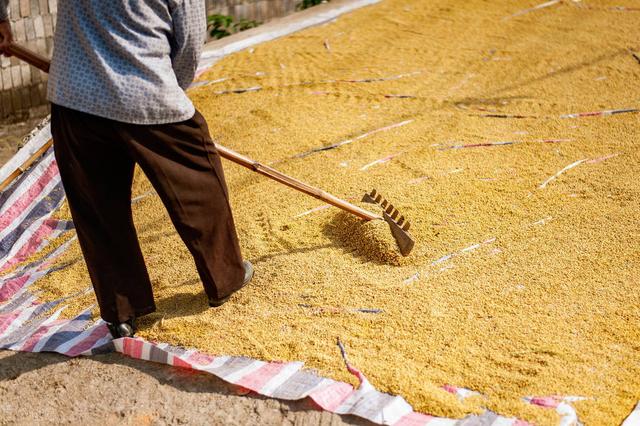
(33, 340)
(356, 372)
(545, 401)
(132, 347)
(7, 319)
(179, 362)
(27, 198)
(331, 397)
(590, 114)
(201, 359)
(46, 228)
(257, 379)
(414, 419)
(450, 389)
(86, 344)
(11, 287)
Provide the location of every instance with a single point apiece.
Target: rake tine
(368, 198)
(398, 224)
(402, 237)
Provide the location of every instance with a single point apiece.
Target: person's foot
(122, 329)
(248, 274)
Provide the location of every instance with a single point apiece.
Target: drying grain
(550, 309)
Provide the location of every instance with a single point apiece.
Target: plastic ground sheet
(505, 131)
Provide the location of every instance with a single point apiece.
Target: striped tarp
(634, 417)
(29, 324)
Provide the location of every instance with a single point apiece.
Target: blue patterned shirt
(126, 60)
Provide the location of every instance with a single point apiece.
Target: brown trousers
(96, 157)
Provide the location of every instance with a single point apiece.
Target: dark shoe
(248, 274)
(122, 329)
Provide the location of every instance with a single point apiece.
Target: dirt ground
(11, 134)
(44, 388)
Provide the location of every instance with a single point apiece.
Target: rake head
(398, 224)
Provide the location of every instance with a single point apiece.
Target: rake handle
(29, 56)
(43, 63)
(294, 183)
(24, 166)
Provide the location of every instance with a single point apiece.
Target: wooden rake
(398, 224)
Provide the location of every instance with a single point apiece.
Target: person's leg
(97, 172)
(184, 167)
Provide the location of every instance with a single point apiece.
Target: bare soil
(11, 135)
(112, 389)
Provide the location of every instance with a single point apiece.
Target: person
(117, 90)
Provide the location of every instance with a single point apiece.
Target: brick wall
(256, 10)
(23, 88)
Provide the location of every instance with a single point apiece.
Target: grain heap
(516, 286)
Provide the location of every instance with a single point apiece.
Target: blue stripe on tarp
(16, 184)
(69, 331)
(36, 264)
(49, 203)
(29, 326)
(104, 349)
(158, 355)
(14, 303)
(298, 384)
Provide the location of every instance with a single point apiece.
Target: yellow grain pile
(540, 293)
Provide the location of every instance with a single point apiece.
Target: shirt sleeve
(4, 10)
(189, 29)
